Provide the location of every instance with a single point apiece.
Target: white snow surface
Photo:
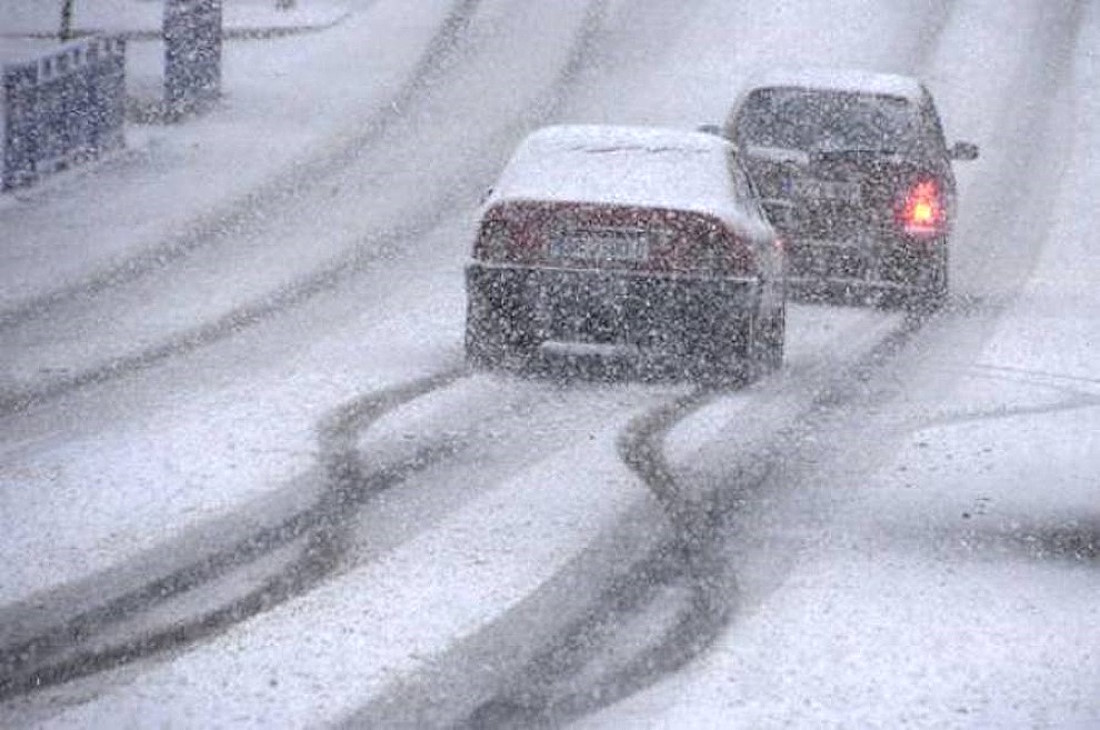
(873, 601)
(840, 79)
(930, 594)
(139, 500)
(365, 629)
(18, 17)
(171, 177)
(631, 166)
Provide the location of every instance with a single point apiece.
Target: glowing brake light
(922, 211)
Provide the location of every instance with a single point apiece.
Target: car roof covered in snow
(838, 79)
(633, 166)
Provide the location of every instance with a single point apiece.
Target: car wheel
(494, 338)
(717, 357)
(485, 349)
(755, 351)
(769, 340)
(932, 282)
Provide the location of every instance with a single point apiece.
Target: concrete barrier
(192, 55)
(61, 108)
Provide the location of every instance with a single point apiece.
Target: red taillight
(922, 210)
(493, 241)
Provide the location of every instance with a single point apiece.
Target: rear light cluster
(494, 241)
(921, 212)
(576, 236)
(718, 252)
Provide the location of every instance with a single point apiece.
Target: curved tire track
(36, 662)
(692, 559)
(533, 698)
(48, 658)
(640, 449)
(687, 559)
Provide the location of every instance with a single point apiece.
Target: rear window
(815, 120)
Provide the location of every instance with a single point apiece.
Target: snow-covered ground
(911, 573)
(144, 17)
(135, 204)
(946, 576)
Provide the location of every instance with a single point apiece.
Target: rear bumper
(870, 267)
(654, 313)
(848, 291)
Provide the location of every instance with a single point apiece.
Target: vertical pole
(192, 55)
(66, 32)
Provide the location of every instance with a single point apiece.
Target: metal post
(66, 32)
(192, 62)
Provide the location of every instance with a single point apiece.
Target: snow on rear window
(856, 81)
(655, 168)
(818, 119)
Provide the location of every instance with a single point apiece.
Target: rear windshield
(814, 120)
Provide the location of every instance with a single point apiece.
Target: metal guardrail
(62, 108)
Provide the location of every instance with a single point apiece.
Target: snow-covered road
(935, 563)
(910, 509)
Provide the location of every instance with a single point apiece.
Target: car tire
(768, 343)
(932, 285)
(495, 339)
(753, 349)
(485, 350)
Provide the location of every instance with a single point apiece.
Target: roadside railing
(62, 108)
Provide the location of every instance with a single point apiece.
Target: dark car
(629, 242)
(855, 175)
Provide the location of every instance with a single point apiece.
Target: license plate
(832, 262)
(845, 192)
(606, 244)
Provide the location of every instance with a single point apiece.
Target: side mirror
(711, 129)
(963, 151)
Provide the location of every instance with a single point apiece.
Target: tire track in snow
(690, 559)
(713, 516)
(362, 256)
(442, 52)
(693, 561)
(56, 654)
(27, 666)
(685, 568)
(1028, 537)
(534, 697)
(641, 451)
